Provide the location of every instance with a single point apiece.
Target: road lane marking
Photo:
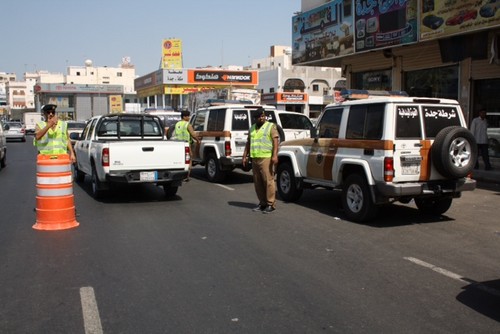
(91, 319)
(454, 276)
(223, 186)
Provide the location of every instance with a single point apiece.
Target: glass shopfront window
(433, 82)
(486, 95)
(375, 80)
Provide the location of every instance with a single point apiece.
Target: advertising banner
(116, 104)
(172, 53)
(452, 17)
(223, 77)
(322, 33)
(381, 24)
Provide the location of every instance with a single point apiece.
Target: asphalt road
(203, 262)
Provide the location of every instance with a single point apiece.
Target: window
(329, 126)
(315, 88)
(433, 82)
(199, 120)
(365, 121)
(216, 120)
(295, 121)
(119, 74)
(437, 118)
(408, 122)
(240, 120)
(375, 80)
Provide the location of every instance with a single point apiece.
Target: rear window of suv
(240, 120)
(437, 118)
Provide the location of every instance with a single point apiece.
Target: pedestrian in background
(479, 128)
(262, 147)
(184, 131)
(51, 135)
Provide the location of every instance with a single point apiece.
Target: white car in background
(14, 131)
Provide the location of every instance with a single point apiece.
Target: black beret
(49, 107)
(258, 112)
(185, 113)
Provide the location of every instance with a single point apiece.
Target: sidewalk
(491, 176)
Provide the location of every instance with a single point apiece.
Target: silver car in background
(14, 131)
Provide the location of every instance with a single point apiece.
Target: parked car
(490, 8)
(494, 133)
(3, 147)
(432, 21)
(15, 131)
(461, 16)
(75, 127)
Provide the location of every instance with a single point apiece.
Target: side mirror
(314, 132)
(74, 136)
(6, 126)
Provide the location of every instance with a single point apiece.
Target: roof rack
(357, 94)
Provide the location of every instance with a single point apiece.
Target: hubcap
(285, 182)
(354, 198)
(460, 152)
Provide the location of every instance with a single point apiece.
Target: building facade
(304, 89)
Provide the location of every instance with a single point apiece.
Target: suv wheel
(214, 173)
(433, 206)
(454, 152)
(287, 183)
(356, 199)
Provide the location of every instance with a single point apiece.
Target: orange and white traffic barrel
(55, 205)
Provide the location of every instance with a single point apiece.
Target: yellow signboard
(171, 54)
(115, 104)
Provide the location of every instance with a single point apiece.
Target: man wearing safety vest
(51, 135)
(262, 146)
(184, 131)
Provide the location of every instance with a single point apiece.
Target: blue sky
(53, 34)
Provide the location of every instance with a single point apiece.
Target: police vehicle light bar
(356, 94)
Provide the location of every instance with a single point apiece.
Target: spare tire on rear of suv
(454, 152)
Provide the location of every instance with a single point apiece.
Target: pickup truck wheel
(356, 199)
(288, 188)
(214, 173)
(97, 190)
(3, 162)
(170, 190)
(433, 206)
(78, 174)
(454, 152)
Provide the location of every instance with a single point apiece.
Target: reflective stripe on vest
(54, 141)
(261, 143)
(181, 131)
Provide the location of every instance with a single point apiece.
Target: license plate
(148, 176)
(410, 169)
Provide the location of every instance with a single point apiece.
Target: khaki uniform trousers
(263, 180)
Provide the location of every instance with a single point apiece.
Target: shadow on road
(328, 202)
(483, 297)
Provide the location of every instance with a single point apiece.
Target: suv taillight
(388, 169)
(105, 157)
(187, 155)
(227, 148)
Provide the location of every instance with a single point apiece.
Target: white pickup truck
(129, 148)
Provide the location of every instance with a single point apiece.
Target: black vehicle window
(408, 122)
(439, 117)
(199, 120)
(329, 125)
(292, 121)
(365, 121)
(240, 120)
(216, 120)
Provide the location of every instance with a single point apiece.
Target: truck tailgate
(144, 155)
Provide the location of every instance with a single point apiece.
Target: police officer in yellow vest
(262, 146)
(184, 131)
(51, 135)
